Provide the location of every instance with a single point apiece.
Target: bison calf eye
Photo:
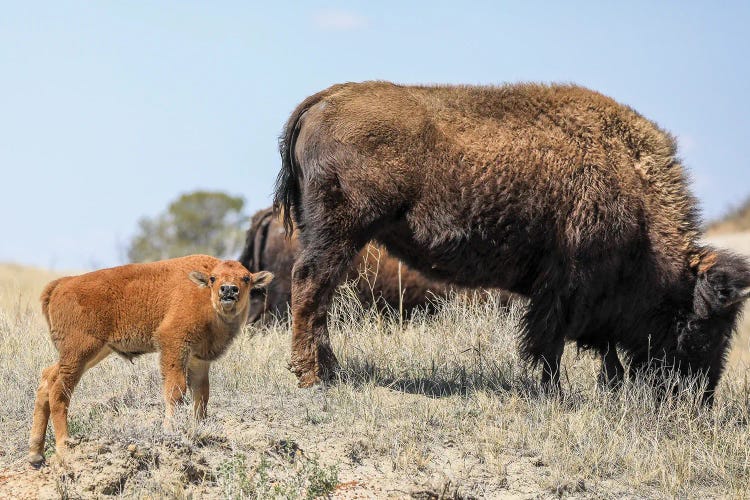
(246, 279)
(212, 279)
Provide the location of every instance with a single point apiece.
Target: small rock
(286, 449)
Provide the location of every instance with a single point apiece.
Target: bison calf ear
(198, 278)
(723, 280)
(262, 279)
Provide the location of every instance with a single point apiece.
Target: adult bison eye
(212, 279)
(246, 279)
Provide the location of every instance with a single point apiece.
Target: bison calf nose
(229, 289)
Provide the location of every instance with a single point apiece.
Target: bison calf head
(230, 283)
(721, 286)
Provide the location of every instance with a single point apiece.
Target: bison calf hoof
(36, 459)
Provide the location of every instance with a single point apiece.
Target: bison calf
(189, 309)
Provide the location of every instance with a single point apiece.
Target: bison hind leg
(316, 273)
(77, 354)
(41, 416)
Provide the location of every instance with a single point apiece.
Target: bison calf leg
(315, 276)
(197, 379)
(612, 373)
(74, 361)
(41, 415)
(173, 372)
(42, 403)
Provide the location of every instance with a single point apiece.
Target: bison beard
(554, 192)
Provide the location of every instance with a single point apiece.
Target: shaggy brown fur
(189, 309)
(378, 277)
(267, 248)
(555, 192)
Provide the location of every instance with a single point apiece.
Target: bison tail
(46, 297)
(288, 189)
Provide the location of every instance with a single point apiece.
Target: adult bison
(552, 191)
(380, 279)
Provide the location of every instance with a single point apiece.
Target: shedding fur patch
(703, 261)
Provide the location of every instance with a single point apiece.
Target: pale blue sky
(109, 110)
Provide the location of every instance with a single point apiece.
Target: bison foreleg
(612, 373)
(543, 339)
(173, 372)
(198, 381)
(550, 362)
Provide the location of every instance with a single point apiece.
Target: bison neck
(218, 337)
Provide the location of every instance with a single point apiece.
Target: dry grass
(440, 406)
(735, 220)
(20, 286)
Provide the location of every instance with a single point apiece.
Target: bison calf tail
(288, 189)
(46, 297)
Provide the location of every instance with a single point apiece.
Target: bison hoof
(36, 459)
(306, 376)
(307, 379)
(310, 373)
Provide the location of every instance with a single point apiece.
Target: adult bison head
(722, 284)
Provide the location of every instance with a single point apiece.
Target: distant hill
(736, 220)
(21, 285)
